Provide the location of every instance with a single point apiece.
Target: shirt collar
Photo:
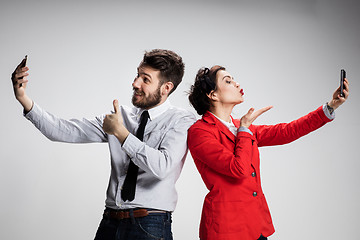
(230, 125)
(156, 111)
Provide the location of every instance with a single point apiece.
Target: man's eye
(146, 80)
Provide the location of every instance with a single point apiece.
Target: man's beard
(147, 102)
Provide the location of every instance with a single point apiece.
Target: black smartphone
(342, 77)
(23, 64)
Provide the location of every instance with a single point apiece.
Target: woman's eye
(227, 81)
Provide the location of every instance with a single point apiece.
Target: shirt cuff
(35, 113)
(245, 129)
(329, 115)
(132, 145)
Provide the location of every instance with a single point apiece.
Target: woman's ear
(166, 88)
(213, 96)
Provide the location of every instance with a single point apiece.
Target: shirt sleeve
(329, 115)
(162, 160)
(70, 131)
(245, 129)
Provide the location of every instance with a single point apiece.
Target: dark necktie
(128, 189)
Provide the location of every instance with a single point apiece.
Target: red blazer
(235, 208)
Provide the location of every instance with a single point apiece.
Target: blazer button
(254, 194)
(253, 174)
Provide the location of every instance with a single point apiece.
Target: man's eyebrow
(144, 73)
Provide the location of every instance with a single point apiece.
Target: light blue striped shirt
(160, 157)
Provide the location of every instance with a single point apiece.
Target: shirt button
(253, 174)
(254, 194)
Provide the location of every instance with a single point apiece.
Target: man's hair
(169, 64)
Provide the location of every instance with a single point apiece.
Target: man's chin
(145, 102)
(140, 104)
(137, 103)
(136, 100)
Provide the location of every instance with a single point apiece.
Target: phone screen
(24, 61)
(23, 64)
(342, 77)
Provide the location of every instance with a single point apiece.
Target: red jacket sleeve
(284, 133)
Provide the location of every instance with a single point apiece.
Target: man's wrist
(121, 134)
(26, 102)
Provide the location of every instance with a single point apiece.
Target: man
(141, 193)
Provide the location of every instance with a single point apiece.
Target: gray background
(83, 54)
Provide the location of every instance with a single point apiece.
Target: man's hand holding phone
(19, 76)
(19, 81)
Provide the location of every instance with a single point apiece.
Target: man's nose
(136, 83)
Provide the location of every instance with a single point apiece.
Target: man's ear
(212, 95)
(166, 88)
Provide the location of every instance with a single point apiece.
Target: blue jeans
(154, 226)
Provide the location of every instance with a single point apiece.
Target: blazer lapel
(209, 118)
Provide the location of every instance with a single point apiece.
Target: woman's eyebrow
(227, 76)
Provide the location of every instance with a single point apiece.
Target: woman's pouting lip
(242, 91)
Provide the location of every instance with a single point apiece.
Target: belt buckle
(121, 215)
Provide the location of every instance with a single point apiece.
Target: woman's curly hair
(205, 82)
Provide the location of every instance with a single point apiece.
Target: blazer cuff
(245, 134)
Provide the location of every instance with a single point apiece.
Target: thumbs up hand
(113, 124)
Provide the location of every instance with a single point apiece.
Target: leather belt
(122, 214)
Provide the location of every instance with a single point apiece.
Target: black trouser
(262, 238)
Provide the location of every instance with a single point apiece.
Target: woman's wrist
(332, 105)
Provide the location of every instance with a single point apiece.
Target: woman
(225, 151)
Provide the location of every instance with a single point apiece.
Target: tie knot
(144, 116)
